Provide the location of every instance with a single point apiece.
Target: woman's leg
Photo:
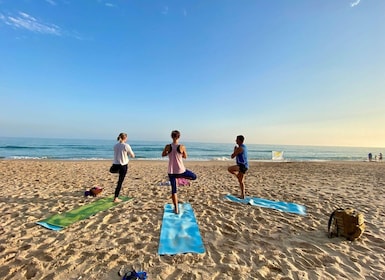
(188, 174)
(174, 196)
(122, 174)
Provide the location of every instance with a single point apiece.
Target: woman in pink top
(176, 153)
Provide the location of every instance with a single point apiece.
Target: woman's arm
(130, 152)
(166, 150)
(183, 151)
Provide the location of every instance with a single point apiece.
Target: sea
(87, 149)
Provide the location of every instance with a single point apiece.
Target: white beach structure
(277, 155)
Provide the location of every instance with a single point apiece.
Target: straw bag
(346, 222)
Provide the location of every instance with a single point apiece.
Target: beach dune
(241, 241)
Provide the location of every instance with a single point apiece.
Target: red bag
(94, 191)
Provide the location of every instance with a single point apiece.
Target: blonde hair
(122, 136)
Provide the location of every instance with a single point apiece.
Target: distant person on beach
(380, 157)
(121, 152)
(239, 170)
(370, 156)
(176, 153)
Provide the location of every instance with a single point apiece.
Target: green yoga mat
(60, 221)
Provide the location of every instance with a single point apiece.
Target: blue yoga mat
(180, 232)
(277, 205)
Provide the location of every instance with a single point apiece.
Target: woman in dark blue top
(239, 170)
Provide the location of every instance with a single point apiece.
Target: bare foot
(116, 200)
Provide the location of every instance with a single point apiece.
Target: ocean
(82, 149)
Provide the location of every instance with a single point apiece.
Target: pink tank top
(175, 163)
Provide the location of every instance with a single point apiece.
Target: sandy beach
(241, 241)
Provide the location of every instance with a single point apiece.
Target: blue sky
(302, 72)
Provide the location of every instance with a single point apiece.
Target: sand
(241, 241)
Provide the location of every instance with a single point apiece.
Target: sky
(304, 72)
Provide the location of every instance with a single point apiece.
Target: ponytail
(121, 136)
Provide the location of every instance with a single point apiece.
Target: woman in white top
(121, 152)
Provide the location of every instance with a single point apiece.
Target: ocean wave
(25, 147)
(26, 157)
(221, 159)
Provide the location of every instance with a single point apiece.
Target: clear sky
(306, 72)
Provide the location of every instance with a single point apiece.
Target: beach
(241, 241)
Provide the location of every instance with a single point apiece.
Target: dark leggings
(187, 175)
(122, 174)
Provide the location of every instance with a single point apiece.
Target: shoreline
(241, 241)
(231, 161)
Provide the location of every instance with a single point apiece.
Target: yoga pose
(121, 152)
(176, 153)
(239, 170)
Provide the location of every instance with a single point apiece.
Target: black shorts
(242, 168)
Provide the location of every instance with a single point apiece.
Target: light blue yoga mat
(277, 205)
(180, 232)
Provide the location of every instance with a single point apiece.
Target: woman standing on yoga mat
(121, 152)
(176, 153)
(239, 170)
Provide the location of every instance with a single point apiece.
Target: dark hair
(175, 134)
(121, 136)
(241, 138)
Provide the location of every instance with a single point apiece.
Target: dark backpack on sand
(115, 168)
(346, 222)
(133, 275)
